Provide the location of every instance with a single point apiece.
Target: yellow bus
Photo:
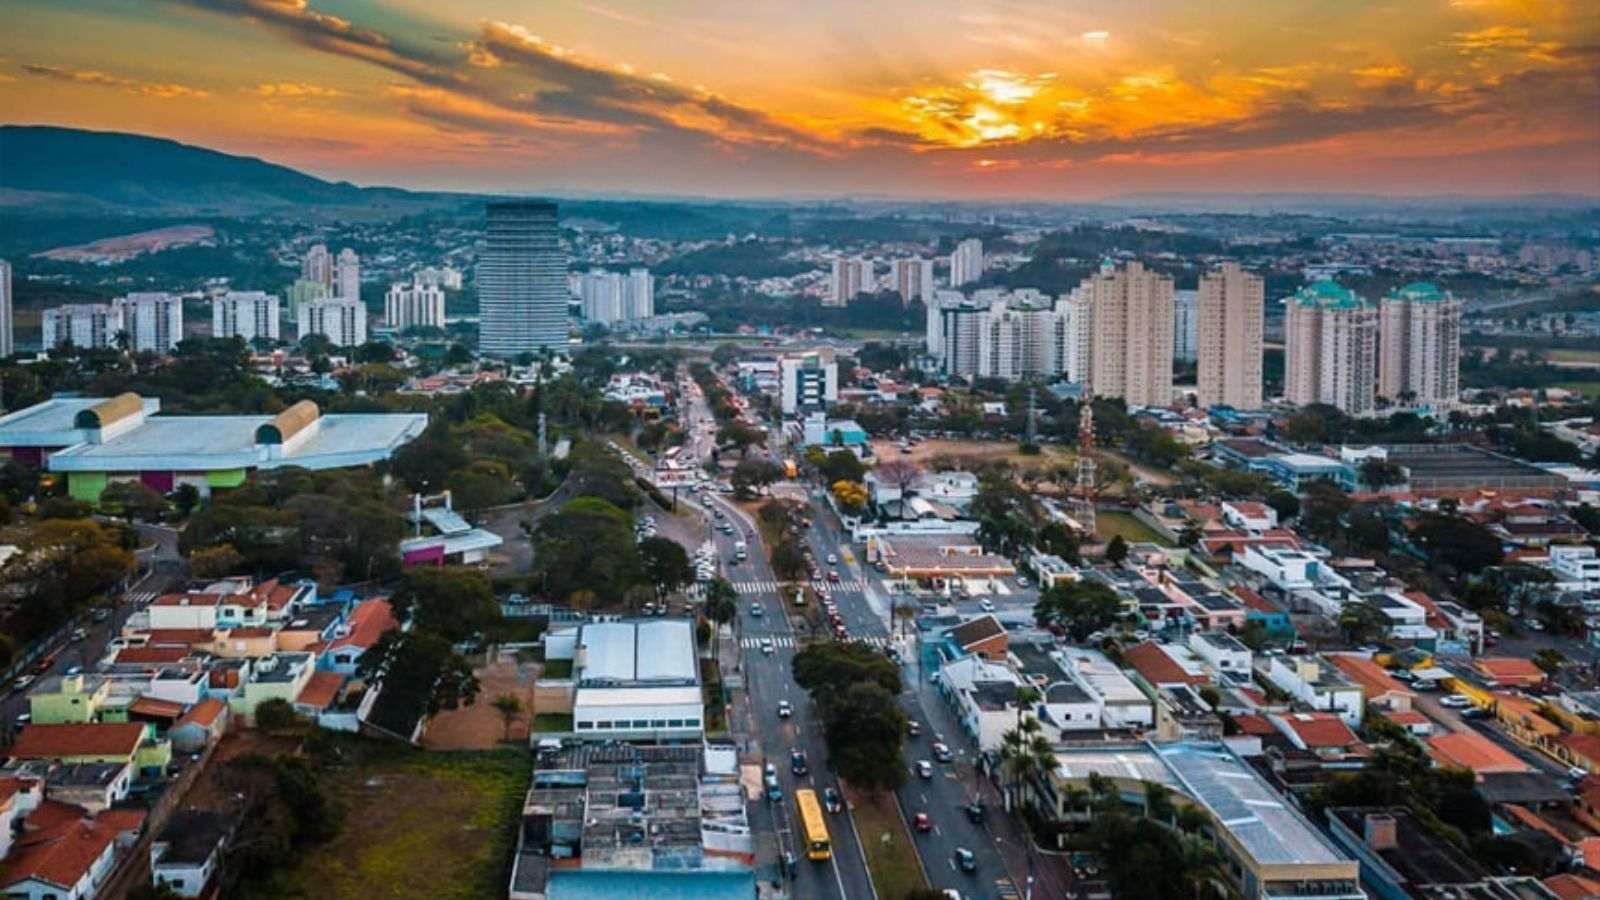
(818, 846)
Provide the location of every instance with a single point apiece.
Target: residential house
(204, 723)
(1318, 686)
(983, 696)
(360, 631)
(982, 635)
(1122, 703)
(1166, 665)
(1378, 687)
(65, 855)
(186, 856)
(1475, 753)
(1324, 734)
(1256, 518)
(1223, 652)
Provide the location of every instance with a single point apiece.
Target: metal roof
(644, 652)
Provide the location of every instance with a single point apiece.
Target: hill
(43, 167)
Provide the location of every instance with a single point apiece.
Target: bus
(818, 846)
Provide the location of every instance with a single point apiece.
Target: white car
(768, 647)
(1455, 701)
(985, 605)
(784, 709)
(833, 559)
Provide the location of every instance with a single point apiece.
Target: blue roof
(1328, 295)
(651, 885)
(1420, 292)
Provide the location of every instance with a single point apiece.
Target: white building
(1319, 685)
(1576, 568)
(318, 266)
(601, 293)
(153, 321)
(86, 326)
(966, 263)
(984, 695)
(187, 853)
(638, 295)
(1330, 354)
(808, 383)
(248, 315)
(1249, 515)
(342, 322)
(1419, 343)
(1285, 568)
(1223, 652)
(1122, 703)
(634, 679)
(912, 279)
(850, 277)
(1186, 325)
(7, 326)
(1022, 334)
(440, 277)
(1130, 326)
(347, 275)
(414, 305)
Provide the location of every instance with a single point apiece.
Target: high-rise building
(601, 293)
(153, 321)
(913, 279)
(247, 315)
(1185, 325)
(934, 332)
(1231, 310)
(522, 292)
(1130, 342)
(414, 305)
(1419, 346)
(960, 329)
(1003, 335)
(305, 290)
(342, 322)
(966, 263)
(1330, 351)
(808, 383)
(638, 295)
(347, 275)
(851, 277)
(318, 266)
(86, 326)
(441, 277)
(8, 344)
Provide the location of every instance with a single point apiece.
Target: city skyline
(970, 101)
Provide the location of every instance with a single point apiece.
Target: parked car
(986, 605)
(941, 752)
(922, 823)
(1455, 701)
(913, 727)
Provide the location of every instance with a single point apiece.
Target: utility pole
(1032, 435)
(1085, 486)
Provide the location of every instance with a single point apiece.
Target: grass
(557, 668)
(558, 723)
(440, 825)
(1111, 524)
(1574, 356)
(1590, 389)
(875, 334)
(891, 856)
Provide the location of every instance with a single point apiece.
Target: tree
(666, 564)
(1463, 545)
(510, 710)
(420, 674)
(133, 500)
(187, 497)
(215, 562)
(1550, 660)
(275, 714)
(897, 472)
(865, 728)
(740, 437)
(1078, 607)
(851, 495)
(842, 465)
(788, 560)
(1059, 540)
(722, 603)
(1117, 550)
(1324, 507)
(750, 476)
(1285, 504)
(481, 484)
(588, 545)
(828, 668)
(1378, 474)
(454, 602)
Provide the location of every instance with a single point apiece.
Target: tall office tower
(1419, 346)
(851, 276)
(601, 293)
(808, 383)
(247, 315)
(86, 326)
(913, 279)
(1231, 310)
(153, 321)
(318, 265)
(342, 322)
(414, 305)
(7, 333)
(1185, 325)
(1130, 346)
(1330, 352)
(522, 290)
(347, 275)
(638, 295)
(966, 263)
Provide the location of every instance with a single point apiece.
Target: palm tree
(1202, 866)
(1027, 696)
(905, 612)
(1015, 761)
(1041, 758)
(1158, 802)
(509, 708)
(722, 607)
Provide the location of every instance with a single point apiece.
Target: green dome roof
(1328, 295)
(1420, 292)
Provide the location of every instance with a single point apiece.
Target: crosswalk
(771, 587)
(1005, 889)
(140, 598)
(789, 640)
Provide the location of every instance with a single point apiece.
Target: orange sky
(1025, 99)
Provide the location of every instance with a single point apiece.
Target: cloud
(1496, 40)
(1096, 38)
(294, 90)
(161, 90)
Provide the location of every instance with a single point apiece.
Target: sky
(1038, 100)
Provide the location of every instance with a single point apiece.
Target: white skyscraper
(851, 276)
(1130, 343)
(1330, 353)
(7, 327)
(86, 326)
(347, 275)
(638, 295)
(414, 305)
(318, 265)
(601, 293)
(913, 279)
(1185, 325)
(522, 292)
(966, 263)
(342, 322)
(1231, 310)
(1419, 346)
(247, 315)
(1005, 335)
(153, 321)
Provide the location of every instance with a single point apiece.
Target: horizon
(983, 101)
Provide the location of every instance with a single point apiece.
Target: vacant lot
(419, 824)
(481, 726)
(973, 453)
(1110, 524)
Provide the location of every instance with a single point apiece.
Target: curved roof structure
(1328, 295)
(109, 412)
(287, 424)
(1420, 292)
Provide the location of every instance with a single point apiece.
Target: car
(767, 647)
(974, 811)
(833, 575)
(922, 823)
(833, 559)
(986, 605)
(965, 860)
(73, 670)
(941, 751)
(717, 513)
(924, 769)
(1535, 625)
(79, 634)
(1023, 582)
(1455, 701)
(1403, 675)
(1475, 712)
(101, 614)
(831, 801)
(797, 762)
(913, 727)
(774, 789)
(22, 682)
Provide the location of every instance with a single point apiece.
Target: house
(633, 679)
(1122, 704)
(80, 743)
(281, 676)
(63, 699)
(983, 696)
(1378, 687)
(204, 723)
(1183, 715)
(1321, 733)
(92, 786)
(319, 694)
(1402, 859)
(360, 631)
(1256, 518)
(186, 855)
(1318, 685)
(982, 635)
(1510, 671)
(1225, 653)
(1475, 753)
(1165, 665)
(65, 854)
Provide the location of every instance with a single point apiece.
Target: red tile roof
(63, 856)
(1474, 752)
(1374, 680)
(1254, 725)
(1253, 600)
(1407, 717)
(320, 692)
(181, 636)
(60, 741)
(196, 599)
(203, 713)
(1156, 667)
(1572, 886)
(146, 656)
(367, 623)
(1585, 746)
(1511, 671)
(1320, 730)
(247, 633)
(156, 707)
(276, 595)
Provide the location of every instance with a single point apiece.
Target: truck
(740, 552)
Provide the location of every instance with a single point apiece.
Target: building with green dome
(1331, 347)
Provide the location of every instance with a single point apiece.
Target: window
(674, 723)
(659, 723)
(585, 726)
(602, 725)
(691, 723)
(641, 723)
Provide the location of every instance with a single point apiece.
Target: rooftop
(1327, 295)
(658, 651)
(65, 741)
(192, 835)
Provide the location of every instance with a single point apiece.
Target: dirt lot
(925, 452)
(479, 726)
